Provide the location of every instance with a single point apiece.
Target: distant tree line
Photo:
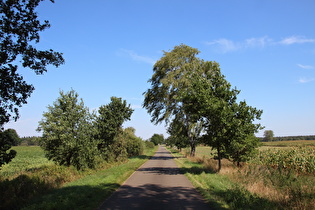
(269, 136)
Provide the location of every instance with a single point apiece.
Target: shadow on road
(154, 197)
(162, 170)
(175, 171)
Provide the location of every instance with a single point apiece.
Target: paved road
(158, 184)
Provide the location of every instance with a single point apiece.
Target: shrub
(149, 144)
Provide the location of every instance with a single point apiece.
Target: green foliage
(49, 186)
(268, 135)
(228, 124)
(110, 120)
(30, 141)
(126, 144)
(178, 135)
(243, 149)
(6, 141)
(291, 138)
(149, 145)
(157, 139)
(169, 83)
(135, 145)
(68, 132)
(19, 29)
(11, 137)
(195, 97)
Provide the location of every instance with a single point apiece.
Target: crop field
(27, 158)
(299, 143)
(298, 159)
(282, 173)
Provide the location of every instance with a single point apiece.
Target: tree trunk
(219, 159)
(192, 149)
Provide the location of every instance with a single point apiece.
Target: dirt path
(158, 184)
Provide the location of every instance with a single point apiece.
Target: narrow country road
(158, 184)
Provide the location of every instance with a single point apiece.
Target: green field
(30, 181)
(28, 158)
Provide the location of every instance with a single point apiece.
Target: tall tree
(171, 78)
(268, 135)
(68, 132)
(19, 31)
(110, 120)
(157, 139)
(228, 124)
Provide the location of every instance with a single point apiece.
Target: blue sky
(265, 48)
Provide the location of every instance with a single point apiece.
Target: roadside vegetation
(276, 178)
(31, 181)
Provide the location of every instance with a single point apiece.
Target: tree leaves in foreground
(68, 132)
(19, 31)
(8, 138)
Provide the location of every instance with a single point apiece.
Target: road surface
(157, 184)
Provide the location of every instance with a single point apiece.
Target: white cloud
(257, 42)
(305, 66)
(225, 45)
(134, 56)
(296, 40)
(306, 80)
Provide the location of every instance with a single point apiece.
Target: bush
(135, 146)
(149, 144)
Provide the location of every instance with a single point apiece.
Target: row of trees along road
(198, 104)
(74, 136)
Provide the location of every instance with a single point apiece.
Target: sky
(266, 49)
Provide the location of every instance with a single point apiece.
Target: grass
(28, 158)
(254, 186)
(218, 189)
(48, 186)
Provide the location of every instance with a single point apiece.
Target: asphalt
(157, 184)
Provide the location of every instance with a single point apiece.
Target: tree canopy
(68, 132)
(169, 83)
(111, 118)
(19, 32)
(157, 139)
(194, 98)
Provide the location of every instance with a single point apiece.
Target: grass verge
(218, 189)
(56, 187)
